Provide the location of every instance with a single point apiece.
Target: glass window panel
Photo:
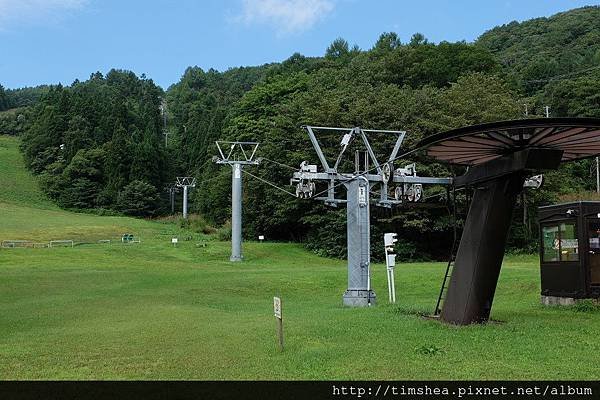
(551, 240)
(594, 258)
(569, 244)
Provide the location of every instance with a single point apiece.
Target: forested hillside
(542, 48)
(392, 86)
(98, 143)
(198, 105)
(16, 108)
(552, 59)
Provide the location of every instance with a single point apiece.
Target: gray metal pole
(359, 293)
(236, 212)
(172, 193)
(185, 193)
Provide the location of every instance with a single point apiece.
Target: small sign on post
(279, 320)
(174, 241)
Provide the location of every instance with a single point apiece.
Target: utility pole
(163, 111)
(358, 184)
(238, 155)
(185, 182)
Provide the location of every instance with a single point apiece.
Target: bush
(197, 223)
(224, 232)
(138, 198)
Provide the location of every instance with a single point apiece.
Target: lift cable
(214, 178)
(562, 76)
(280, 164)
(442, 194)
(269, 183)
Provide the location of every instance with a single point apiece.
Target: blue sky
(51, 41)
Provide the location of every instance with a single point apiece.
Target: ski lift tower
(358, 184)
(185, 182)
(172, 189)
(236, 154)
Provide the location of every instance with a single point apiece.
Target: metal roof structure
(499, 156)
(578, 138)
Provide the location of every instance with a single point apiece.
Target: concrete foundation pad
(359, 298)
(562, 301)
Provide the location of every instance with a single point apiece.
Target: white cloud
(35, 11)
(286, 16)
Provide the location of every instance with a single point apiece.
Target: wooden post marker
(279, 320)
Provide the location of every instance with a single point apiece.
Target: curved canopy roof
(472, 145)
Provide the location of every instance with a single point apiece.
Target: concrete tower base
(359, 298)
(562, 301)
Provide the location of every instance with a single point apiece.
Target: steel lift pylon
(236, 155)
(358, 185)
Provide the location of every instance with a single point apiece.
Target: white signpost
(279, 320)
(174, 241)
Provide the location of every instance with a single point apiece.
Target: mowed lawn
(153, 311)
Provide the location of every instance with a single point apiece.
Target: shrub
(197, 223)
(138, 198)
(224, 232)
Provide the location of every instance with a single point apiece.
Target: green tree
(4, 105)
(82, 179)
(477, 98)
(138, 198)
(115, 116)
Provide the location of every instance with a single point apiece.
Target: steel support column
(359, 293)
(236, 212)
(479, 258)
(481, 251)
(185, 202)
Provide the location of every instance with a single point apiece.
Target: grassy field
(151, 311)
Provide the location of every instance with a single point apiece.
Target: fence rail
(53, 243)
(32, 244)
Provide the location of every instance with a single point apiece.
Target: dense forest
(99, 144)
(16, 108)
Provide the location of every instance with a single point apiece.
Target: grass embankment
(152, 311)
